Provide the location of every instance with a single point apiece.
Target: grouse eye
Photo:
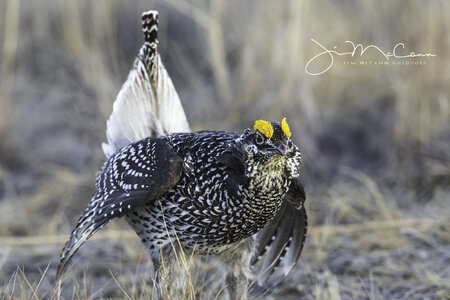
(259, 139)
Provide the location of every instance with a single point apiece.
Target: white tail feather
(147, 104)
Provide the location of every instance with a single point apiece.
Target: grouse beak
(282, 148)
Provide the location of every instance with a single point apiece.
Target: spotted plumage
(235, 195)
(226, 192)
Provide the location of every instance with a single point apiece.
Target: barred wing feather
(279, 244)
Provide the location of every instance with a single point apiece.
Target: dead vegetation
(375, 139)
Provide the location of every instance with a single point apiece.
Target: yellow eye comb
(264, 127)
(285, 127)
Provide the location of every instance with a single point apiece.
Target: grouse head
(269, 139)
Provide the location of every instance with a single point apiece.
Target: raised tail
(148, 104)
(149, 50)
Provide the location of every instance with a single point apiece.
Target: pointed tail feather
(147, 104)
(149, 50)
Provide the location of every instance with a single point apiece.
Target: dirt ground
(375, 139)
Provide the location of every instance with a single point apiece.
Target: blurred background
(375, 139)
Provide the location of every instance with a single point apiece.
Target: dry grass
(375, 139)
